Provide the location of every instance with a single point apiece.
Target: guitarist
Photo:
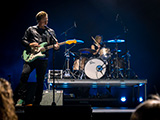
(34, 36)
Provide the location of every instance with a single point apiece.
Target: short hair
(98, 36)
(40, 15)
(149, 110)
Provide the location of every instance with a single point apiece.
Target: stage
(132, 89)
(84, 107)
(122, 83)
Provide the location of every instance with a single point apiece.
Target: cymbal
(77, 41)
(115, 41)
(86, 50)
(114, 50)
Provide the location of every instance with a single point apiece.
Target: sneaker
(19, 102)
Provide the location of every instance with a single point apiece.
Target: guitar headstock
(71, 41)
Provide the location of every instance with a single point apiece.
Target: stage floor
(110, 82)
(122, 83)
(112, 110)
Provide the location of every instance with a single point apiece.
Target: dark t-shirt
(96, 47)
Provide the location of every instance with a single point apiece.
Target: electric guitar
(37, 52)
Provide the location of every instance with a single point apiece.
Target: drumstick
(95, 40)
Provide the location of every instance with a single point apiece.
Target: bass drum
(95, 68)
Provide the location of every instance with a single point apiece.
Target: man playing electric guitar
(33, 37)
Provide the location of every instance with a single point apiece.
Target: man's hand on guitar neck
(34, 44)
(56, 46)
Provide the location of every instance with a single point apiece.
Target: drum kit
(108, 64)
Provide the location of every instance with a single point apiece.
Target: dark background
(141, 17)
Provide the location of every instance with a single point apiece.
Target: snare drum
(105, 53)
(95, 68)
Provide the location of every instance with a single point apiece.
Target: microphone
(75, 25)
(117, 16)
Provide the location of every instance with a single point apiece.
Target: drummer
(97, 45)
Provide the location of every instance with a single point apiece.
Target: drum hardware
(83, 52)
(86, 51)
(116, 72)
(81, 69)
(108, 63)
(95, 68)
(128, 71)
(104, 53)
(78, 66)
(79, 63)
(113, 51)
(115, 41)
(67, 72)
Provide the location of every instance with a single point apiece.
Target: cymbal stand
(81, 71)
(116, 70)
(67, 72)
(128, 71)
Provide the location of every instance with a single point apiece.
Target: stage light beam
(123, 99)
(140, 99)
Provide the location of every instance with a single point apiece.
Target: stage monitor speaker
(47, 98)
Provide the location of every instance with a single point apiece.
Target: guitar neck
(51, 46)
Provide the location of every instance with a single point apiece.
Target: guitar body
(34, 54)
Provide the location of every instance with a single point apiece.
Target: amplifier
(47, 98)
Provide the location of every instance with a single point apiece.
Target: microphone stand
(128, 71)
(67, 70)
(65, 33)
(125, 29)
(54, 41)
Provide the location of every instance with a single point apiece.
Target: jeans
(31, 93)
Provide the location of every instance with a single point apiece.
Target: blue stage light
(141, 84)
(140, 99)
(123, 99)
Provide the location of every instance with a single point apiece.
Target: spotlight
(140, 99)
(141, 84)
(123, 99)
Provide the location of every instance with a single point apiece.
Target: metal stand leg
(67, 72)
(133, 95)
(145, 90)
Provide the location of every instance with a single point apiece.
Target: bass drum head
(95, 68)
